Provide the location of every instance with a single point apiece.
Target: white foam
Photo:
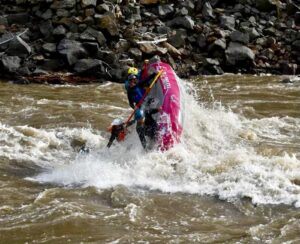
(213, 159)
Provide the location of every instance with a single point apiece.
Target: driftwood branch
(153, 42)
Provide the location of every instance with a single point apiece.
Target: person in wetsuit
(136, 89)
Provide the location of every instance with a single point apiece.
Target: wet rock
(52, 64)
(212, 67)
(237, 52)
(288, 68)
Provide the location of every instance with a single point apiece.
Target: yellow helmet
(133, 71)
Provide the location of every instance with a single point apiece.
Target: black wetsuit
(150, 123)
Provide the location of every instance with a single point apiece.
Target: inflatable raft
(167, 93)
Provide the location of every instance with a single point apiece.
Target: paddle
(144, 96)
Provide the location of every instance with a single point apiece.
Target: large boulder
(71, 50)
(107, 22)
(10, 63)
(88, 66)
(236, 53)
(18, 47)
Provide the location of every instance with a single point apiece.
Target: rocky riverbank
(95, 40)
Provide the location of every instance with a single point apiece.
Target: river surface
(235, 178)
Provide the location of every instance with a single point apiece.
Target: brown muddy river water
(235, 178)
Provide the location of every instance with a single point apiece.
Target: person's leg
(140, 129)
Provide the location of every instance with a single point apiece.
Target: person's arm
(111, 139)
(130, 123)
(130, 100)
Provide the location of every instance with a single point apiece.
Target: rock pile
(101, 38)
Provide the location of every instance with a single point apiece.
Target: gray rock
(88, 65)
(265, 5)
(3, 20)
(63, 4)
(49, 47)
(178, 38)
(217, 48)
(18, 47)
(47, 15)
(98, 35)
(237, 36)
(163, 29)
(136, 53)
(207, 11)
(92, 48)
(19, 18)
(296, 45)
(59, 31)
(88, 3)
(185, 22)
(201, 41)
(62, 13)
(11, 63)
(46, 28)
(237, 52)
(71, 50)
(107, 22)
(227, 22)
(52, 64)
(102, 8)
(165, 10)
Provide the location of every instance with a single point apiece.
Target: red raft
(168, 92)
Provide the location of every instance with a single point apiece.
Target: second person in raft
(136, 89)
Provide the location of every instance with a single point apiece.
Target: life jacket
(122, 134)
(136, 93)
